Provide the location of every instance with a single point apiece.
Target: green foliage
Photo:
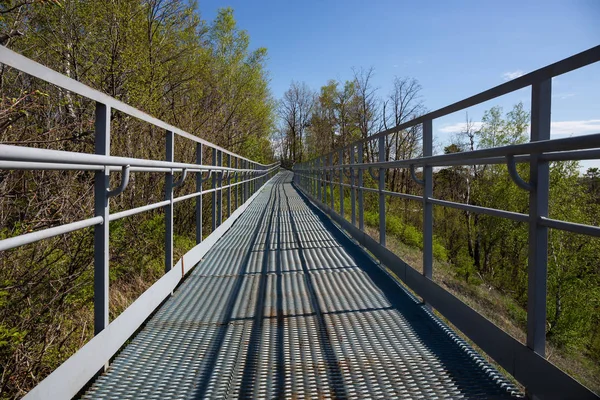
(407, 234)
(465, 268)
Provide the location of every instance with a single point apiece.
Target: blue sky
(453, 48)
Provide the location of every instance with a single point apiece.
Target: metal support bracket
(179, 181)
(123, 185)
(207, 176)
(514, 174)
(413, 175)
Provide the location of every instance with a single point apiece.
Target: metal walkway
(286, 306)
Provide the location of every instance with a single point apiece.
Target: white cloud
(557, 128)
(575, 127)
(459, 127)
(563, 96)
(508, 76)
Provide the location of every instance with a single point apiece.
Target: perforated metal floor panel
(286, 306)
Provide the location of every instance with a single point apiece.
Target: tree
(367, 105)
(295, 111)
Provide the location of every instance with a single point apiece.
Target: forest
(480, 258)
(159, 56)
(204, 77)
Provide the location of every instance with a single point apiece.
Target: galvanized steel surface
(286, 306)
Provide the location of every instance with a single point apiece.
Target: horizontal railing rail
(320, 177)
(572, 63)
(229, 174)
(32, 68)
(89, 161)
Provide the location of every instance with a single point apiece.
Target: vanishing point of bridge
(289, 297)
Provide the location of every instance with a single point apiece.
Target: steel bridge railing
(319, 176)
(229, 173)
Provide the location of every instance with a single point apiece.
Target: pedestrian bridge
(286, 306)
(288, 297)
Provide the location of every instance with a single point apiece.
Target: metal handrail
(32, 68)
(84, 160)
(237, 172)
(569, 64)
(314, 177)
(565, 149)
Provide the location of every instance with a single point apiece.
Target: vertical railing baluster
(250, 175)
(246, 166)
(199, 197)
(242, 178)
(341, 172)
(315, 177)
(101, 209)
(220, 191)
(381, 194)
(214, 193)
(169, 156)
(331, 175)
(361, 214)
(321, 175)
(318, 178)
(237, 187)
(541, 101)
(427, 206)
(229, 188)
(309, 178)
(353, 186)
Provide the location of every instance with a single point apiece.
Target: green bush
(407, 234)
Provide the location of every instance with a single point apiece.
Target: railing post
(170, 150)
(541, 95)
(341, 173)
(199, 197)
(381, 194)
(318, 179)
(331, 175)
(237, 187)
(323, 177)
(214, 193)
(229, 188)
(246, 166)
(251, 176)
(311, 178)
(306, 176)
(220, 191)
(315, 177)
(353, 186)
(101, 232)
(361, 215)
(243, 185)
(427, 206)
(251, 182)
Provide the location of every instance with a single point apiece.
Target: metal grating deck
(286, 306)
